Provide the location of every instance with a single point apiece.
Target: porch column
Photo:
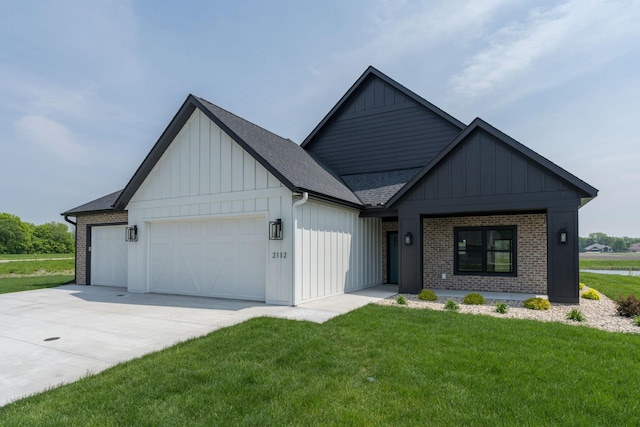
(410, 256)
(563, 272)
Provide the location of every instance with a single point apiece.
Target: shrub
(591, 294)
(636, 321)
(576, 315)
(502, 307)
(474, 299)
(427, 295)
(537, 304)
(581, 286)
(401, 300)
(451, 305)
(629, 306)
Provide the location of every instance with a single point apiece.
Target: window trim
(484, 272)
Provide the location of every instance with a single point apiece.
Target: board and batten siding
(336, 251)
(204, 174)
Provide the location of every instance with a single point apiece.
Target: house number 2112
(278, 254)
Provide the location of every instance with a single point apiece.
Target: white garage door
(108, 255)
(224, 258)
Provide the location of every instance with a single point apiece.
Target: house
(634, 247)
(388, 188)
(596, 247)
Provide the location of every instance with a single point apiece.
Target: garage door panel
(218, 258)
(109, 256)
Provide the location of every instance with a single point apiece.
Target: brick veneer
(386, 227)
(438, 254)
(81, 238)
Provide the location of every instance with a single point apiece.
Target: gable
(381, 126)
(482, 170)
(203, 159)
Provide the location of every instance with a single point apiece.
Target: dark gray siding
(381, 129)
(484, 174)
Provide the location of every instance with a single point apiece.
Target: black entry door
(392, 257)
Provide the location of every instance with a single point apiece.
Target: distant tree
(619, 245)
(601, 238)
(15, 235)
(51, 238)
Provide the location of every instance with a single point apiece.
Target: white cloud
(546, 48)
(52, 137)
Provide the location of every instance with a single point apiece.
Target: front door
(392, 257)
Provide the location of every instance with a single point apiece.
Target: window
(485, 250)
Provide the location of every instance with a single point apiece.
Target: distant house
(596, 247)
(388, 188)
(634, 248)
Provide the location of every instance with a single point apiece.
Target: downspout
(75, 224)
(305, 197)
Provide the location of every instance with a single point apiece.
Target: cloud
(546, 48)
(52, 137)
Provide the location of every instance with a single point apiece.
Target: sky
(87, 87)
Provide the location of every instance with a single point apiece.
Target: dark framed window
(485, 250)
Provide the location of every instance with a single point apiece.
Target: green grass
(31, 267)
(374, 366)
(34, 256)
(610, 264)
(19, 284)
(612, 285)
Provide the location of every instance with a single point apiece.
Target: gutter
(75, 268)
(305, 197)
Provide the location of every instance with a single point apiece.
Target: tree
(53, 237)
(15, 235)
(619, 245)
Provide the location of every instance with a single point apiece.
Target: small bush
(401, 300)
(474, 299)
(591, 294)
(581, 286)
(451, 305)
(537, 304)
(576, 315)
(502, 307)
(427, 295)
(636, 321)
(629, 306)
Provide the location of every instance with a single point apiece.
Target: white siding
(204, 174)
(336, 251)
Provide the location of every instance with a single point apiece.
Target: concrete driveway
(53, 336)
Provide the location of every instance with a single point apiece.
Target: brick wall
(438, 254)
(81, 238)
(386, 226)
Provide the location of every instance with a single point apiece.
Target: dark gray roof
(375, 189)
(104, 203)
(284, 157)
(286, 160)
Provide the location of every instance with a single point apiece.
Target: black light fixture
(275, 229)
(563, 236)
(131, 233)
(408, 238)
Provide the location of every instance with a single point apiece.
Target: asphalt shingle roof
(286, 157)
(375, 189)
(104, 203)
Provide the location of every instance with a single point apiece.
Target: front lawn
(34, 267)
(612, 285)
(374, 366)
(19, 284)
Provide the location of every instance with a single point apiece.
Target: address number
(278, 254)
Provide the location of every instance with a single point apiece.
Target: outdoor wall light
(275, 229)
(408, 238)
(563, 236)
(131, 233)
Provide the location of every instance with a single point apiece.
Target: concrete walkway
(53, 336)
